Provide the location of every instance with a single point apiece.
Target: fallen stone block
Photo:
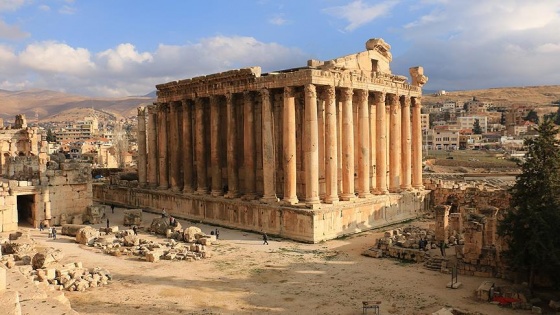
(71, 229)
(87, 235)
(132, 217)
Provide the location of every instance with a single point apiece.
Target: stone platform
(325, 222)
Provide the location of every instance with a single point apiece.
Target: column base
(395, 190)
(175, 189)
(364, 195)
(347, 197)
(269, 199)
(201, 191)
(406, 188)
(331, 200)
(188, 190)
(231, 195)
(382, 192)
(163, 187)
(421, 187)
(290, 201)
(216, 192)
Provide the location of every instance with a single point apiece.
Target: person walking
(54, 233)
(265, 239)
(113, 208)
(41, 226)
(135, 229)
(217, 234)
(442, 248)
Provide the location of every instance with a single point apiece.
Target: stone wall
(57, 195)
(298, 223)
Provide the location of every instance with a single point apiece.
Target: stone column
(174, 147)
(347, 146)
(142, 158)
(232, 168)
(311, 147)
(416, 144)
(187, 147)
(163, 108)
(152, 147)
(249, 143)
(406, 144)
(268, 154)
(373, 143)
(47, 203)
(381, 144)
(289, 139)
(321, 132)
(201, 185)
(331, 152)
(395, 144)
(216, 169)
(364, 143)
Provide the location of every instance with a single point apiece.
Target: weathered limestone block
(42, 260)
(71, 229)
(132, 217)
(192, 233)
(2, 279)
(87, 235)
(160, 226)
(153, 256)
(10, 303)
(131, 240)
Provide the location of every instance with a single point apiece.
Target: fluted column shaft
(268, 153)
(187, 147)
(232, 168)
(289, 140)
(331, 154)
(174, 147)
(249, 143)
(311, 146)
(364, 144)
(162, 146)
(406, 144)
(416, 143)
(395, 144)
(216, 169)
(381, 144)
(347, 145)
(142, 151)
(201, 184)
(373, 143)
(152, 147)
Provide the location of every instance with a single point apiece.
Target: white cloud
(124, 55)
(277, 20)
(123, 70)
(44, 7)
(479, 44)
(11, 31)
(66, 9)
(357, 13)
(53, 57)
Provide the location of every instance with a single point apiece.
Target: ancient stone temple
(309, 153)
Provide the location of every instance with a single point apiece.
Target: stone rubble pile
(69, 277)
(182, 244)
(41, 265)
(404, 243)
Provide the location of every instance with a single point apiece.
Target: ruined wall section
(62, 192)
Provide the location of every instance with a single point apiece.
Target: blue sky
(125, 47)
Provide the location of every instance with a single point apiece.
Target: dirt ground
(243, 276)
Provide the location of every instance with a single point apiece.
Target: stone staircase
(435, 263)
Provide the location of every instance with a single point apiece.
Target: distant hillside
(57, 106)
(529, 95)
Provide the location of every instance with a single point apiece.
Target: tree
(477, 130)
(532, 116)
(530, 227)
(51, 137)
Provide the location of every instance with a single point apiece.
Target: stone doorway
(25, 209)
